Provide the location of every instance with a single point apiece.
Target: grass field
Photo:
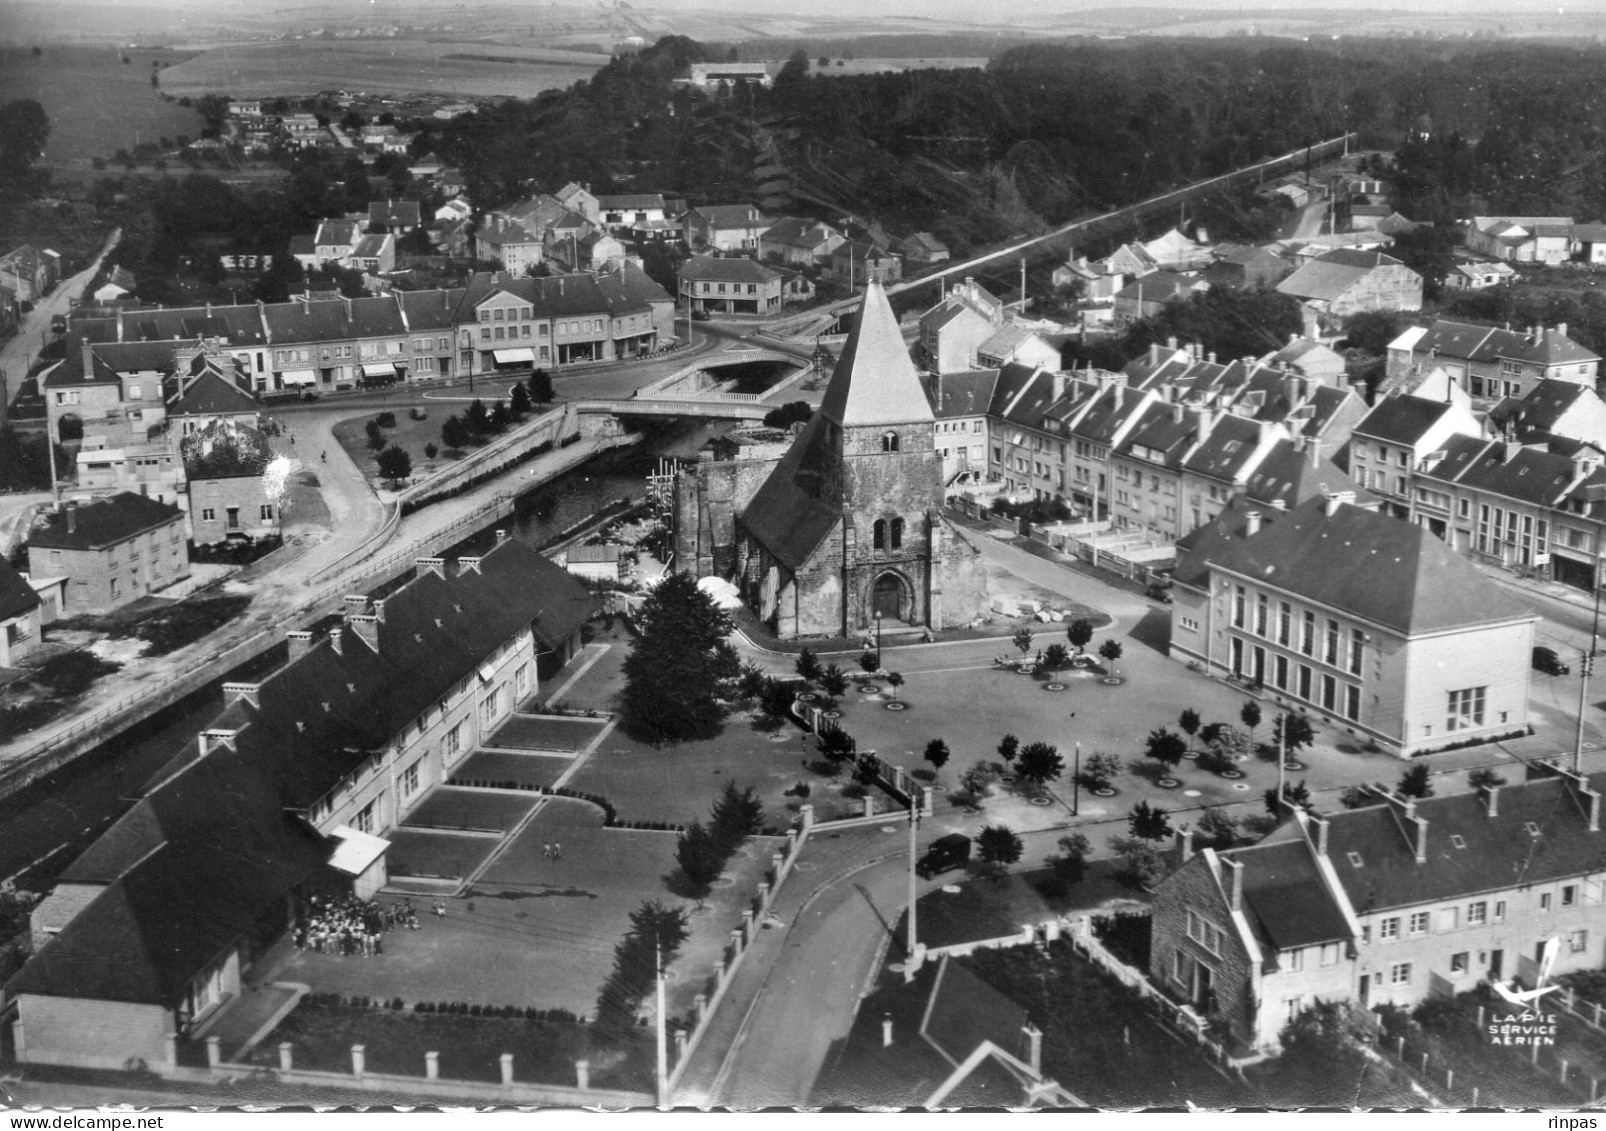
(298, 67)
(96, 103)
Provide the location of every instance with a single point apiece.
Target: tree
(1149, 822)
(1100, 770)
(431, 451)
(999, 846)
(1079, 633)
(808, 665)
(867, 770)
(498, 419)
(1323, 1049)
(870, 662)
(1294, 793)
(1189, 721)
(376, 438)
(979, 778)
(1226, 746)
(1218, 827)
(453, 434)
(834, 681)
(736, 815)
(1038, 763)
(665, 928)
(795, 71)
(937, 754)
(1055, 657)
(1415, 782)
(1141, 862)
(1071, 864)
(1293, 732)
(675, 670)
(1023, 640)
(395, 464)
(24, 129)
(894, 681)
(1165, 747)
(1111, 651)
(518, 401)
(750, 685)
(837, 745)
(540, 386)
(1485, 778)
(699, 858)
(1250, 716)
(477, 420)
(1008, 747)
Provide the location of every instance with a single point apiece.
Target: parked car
(701, 316)
(1546, 660)
(945, 854)
(1159, 591)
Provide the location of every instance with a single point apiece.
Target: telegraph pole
(914, 825)
(663, 1036)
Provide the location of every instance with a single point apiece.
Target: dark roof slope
(1288, 903)
(16, 595)
(1385, 570)
(104, 522)
(1401, 420)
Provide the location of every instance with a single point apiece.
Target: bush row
(481, 476)
(457, 1008)
(610, 815)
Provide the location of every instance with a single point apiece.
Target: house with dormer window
(1391, 903)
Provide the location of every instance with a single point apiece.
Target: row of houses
(325, 344)
(289, 794)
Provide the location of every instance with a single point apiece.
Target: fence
(707, 1003)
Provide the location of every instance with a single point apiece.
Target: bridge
(730, 406)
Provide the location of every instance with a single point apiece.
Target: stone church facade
(848, 523)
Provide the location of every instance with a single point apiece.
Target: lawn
(436, 854)
(986, 908)
(532, 732)
(408, 434)
(471, 809)
(504, 766)
(470, 1048)
(96, 103)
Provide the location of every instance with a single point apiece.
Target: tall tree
(540, 387)
(1165, 747)
(1079, 633)
(699, 858)
(453, 435)
(999, 846)
(937, 754)
(675, 670)
(737, 814)
(1149, 822)
(24, 129)
(1038, 763)
(395, 464)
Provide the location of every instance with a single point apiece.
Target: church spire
(875, 383)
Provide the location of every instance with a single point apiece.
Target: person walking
(546, 850)
(557, 851)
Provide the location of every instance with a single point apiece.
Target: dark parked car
(701, 316)
(945, 854)
(1546, 660)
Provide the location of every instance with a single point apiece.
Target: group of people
(349, 926)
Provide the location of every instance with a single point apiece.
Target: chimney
(1561, 328)
(437, 566)
(1420, 846)
(306, 303)
(300, 643)
(886, 1030)
(1491, 799)
(1318, 828)
(1336, 499)
(1176, 414)
(1034, 1047)
(501, 536)
(234, 692)
(367, 628)
(348, 310)
(1120, 396)
(72, 517)
(1234, 882)
(89, 361)
(1253, 526)
(467, 565)
(355, 603)
(1171, 343)
(337, 640)
(379, 610)
(1184, 846)
(1212, 357)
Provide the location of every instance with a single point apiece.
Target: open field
(386, 66)
(96, 103)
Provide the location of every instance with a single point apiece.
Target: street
(17, 354)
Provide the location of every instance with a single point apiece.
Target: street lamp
(1076, 783)
(878, 639)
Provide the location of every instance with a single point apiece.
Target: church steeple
(875, 383)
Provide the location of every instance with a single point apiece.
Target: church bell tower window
(889, 441)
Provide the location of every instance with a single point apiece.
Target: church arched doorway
(887, 598)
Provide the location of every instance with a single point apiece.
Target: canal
(48, 824)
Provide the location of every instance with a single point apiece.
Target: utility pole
(1076, 782)
(914, 825)
(1587, 664)
(663, 1036)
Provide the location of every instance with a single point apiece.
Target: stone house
(1147, 295)
(1400, 432)
(1521, 239)
(226, 464)
(1366, 621)
(800, 243)
(21, 630)
(729, 286)
(1349, 281)
(854, 263)
(112, 551)
(959, 402)
(1390, 903)
(725, 227)
(30, 272)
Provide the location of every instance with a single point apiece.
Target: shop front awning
(379, 369)
(298, 377)
(356, 851)
(524, 356)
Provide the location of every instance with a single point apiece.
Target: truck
(945, 854)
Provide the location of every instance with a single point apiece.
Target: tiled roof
(707, 267)
(1224, 451)
(430, 310)
(1401, 420)
(787, 515)
(1288, 476)
(1528, 474)
(961, 394)
(1328, 276)
(637, 201)
(1288, 903)
(730, 215)
(16, 595)
(74, 371)
(104, 522)
(1500, 852)
(1372, 567)
(389, 212)
(1159, 286)
(1546, 403)
(874, 381)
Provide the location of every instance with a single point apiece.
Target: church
(847, 525)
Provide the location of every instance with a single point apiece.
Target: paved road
(17, 354)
